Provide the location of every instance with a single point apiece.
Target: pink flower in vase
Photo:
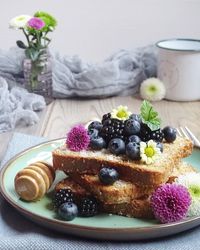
(36, 23)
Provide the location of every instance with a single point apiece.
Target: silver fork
(186, 132)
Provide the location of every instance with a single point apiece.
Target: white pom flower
(19, 22)
(152, 89)
(192, 182)
(149, 152)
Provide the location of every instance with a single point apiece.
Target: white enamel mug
(179, 68)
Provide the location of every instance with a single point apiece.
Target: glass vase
(38, 75)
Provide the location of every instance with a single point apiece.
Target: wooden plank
(59, 116)
(66, 113)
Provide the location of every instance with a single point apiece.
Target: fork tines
(186, 132)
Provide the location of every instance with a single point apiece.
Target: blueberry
(116, 146)
(135, 117)
(97, 143)
(134, 138)
(95, 124)
(169, 134)
(108, 175)
(68, 211)
(160, 146)
(133, 150)
(93, 133)
(132, 127)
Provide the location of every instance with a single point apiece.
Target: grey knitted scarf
(120, 74)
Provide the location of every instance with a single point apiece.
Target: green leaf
(149, 116)
(47, 39)
(21, 45)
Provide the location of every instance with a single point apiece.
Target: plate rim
(67, 224)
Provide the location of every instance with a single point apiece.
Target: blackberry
(62, 196)
(88, 207)
(106, 117)
(157, 135)
(113, 128)
(147, 134)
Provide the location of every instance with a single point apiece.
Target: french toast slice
(74, 186)
(90, 162)
(138, 208)
(181, 169)
(122, 191)
(129, 206)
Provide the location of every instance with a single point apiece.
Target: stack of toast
(128, 196)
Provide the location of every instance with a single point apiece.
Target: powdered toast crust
(90, 162)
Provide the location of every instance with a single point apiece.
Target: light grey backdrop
(94, 29)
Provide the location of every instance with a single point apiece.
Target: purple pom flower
(36, 23)
(78, 138)
(170, 202)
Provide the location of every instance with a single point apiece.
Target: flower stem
(38, 40)
(27, 37)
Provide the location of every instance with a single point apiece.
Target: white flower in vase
(19, 22)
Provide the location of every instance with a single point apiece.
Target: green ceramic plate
(103, 226)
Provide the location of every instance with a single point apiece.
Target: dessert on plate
(124, 164)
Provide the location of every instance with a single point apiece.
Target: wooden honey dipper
(32, 182)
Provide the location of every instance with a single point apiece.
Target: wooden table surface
(60, 115)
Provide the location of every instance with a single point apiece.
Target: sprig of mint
(149, 116)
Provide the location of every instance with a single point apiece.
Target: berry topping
(106, 117)
(62, 196)
(97, 143)
(108, 176)
(157, 135)
(78, 138)
(147, 134)
(169, 134)
(134, 138)
(68, 211)
(133, 150)
(88, 207)
(132, 127)
(116, 146)
(95, 124)
(93, 133)
(119, 128)
(135, 117)
(112, 128)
